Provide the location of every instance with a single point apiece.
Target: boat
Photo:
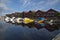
(27, 20)
(40, 21)
(12, 20)
(51, 22)
(19, 20)
(7, 19)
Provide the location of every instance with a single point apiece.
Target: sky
(10, 6)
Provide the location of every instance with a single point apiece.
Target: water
(18, 32)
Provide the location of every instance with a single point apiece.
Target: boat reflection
(47, 26)
(50, 28)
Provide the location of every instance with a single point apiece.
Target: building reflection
(50, 28)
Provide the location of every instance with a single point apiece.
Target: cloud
(3, 6)
(39, 4)
(45, 4)
(51, 2)
(25, 2)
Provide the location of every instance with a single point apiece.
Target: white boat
(51, 22)
(7, 19)
(19, 20)
(12, 19)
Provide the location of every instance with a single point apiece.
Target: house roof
(40, 11)
(52, 10)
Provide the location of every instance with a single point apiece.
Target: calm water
(18, 32)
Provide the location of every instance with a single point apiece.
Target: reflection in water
(22, 32)
(43, 25)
